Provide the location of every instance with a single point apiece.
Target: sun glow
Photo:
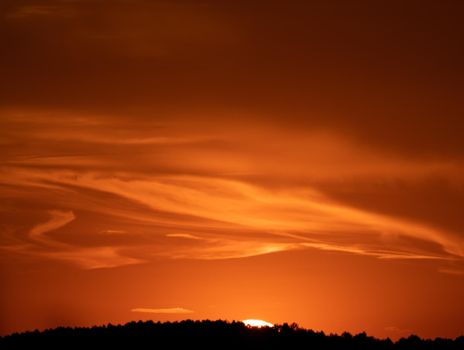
(257, 323)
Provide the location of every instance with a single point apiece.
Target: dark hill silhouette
(211, 335)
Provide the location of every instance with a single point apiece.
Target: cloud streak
(170, 311)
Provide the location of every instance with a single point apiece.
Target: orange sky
(182, 159)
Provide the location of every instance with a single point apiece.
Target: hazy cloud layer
(212, 194)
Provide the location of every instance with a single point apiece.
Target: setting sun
(257, 323)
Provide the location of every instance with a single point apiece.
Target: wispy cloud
(93, 257)
(116, 232)
(184, 235)
(228, 249)
(172, 310)
(85, 257)
(58, 219)
(169, 195)
(283, 221)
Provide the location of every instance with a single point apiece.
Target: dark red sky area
(283, 160)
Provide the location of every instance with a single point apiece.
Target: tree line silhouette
(212, 335)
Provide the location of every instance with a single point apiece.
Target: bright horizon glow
(257, 323)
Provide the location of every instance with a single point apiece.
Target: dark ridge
(211, 335)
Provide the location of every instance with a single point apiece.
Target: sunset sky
(291, 161)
